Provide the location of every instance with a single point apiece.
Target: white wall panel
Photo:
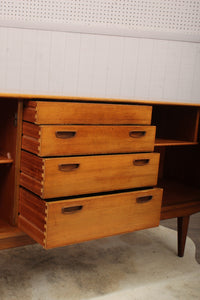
(144, 65)
(56, 66)
(188, 55)
(99, 77)
(13, 59)
(42, 65)
(28, 62)
(158, 67)
(3, 58)
(129, 68)
(196, 77)
(172, 71)
(86, 62)
(73, 64)
(114, 66)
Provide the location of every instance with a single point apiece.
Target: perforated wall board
(163, 19)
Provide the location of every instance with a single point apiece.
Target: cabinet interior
(10, 235)
(177, 141)
(8, 135)
(175, 125)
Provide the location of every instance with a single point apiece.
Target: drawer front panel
(52, 140)
(41, 112)
(77, 220)
(68, 176)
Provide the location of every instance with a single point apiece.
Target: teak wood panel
(57, 140)
(67, 176)
(82, 219)
(41, 112)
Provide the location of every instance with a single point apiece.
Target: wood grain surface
(78, 220)
(60, 140)
(41, 112)
(67, 176)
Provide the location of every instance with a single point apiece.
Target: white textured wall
(161, 19)
(89, 65)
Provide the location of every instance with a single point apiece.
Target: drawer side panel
(30, 183)
(30, 111)
(32, 165)
(32, 216)
(32, 172)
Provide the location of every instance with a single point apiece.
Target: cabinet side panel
(31, 137)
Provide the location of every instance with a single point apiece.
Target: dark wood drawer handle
(144, 199)
(70, 210)
(141, 162)
(137, 134)
(68, 167)
(65, 134)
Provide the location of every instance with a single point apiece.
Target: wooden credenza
(76, 170)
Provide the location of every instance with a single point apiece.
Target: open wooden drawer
(78, 175)
(74, 112)
(61, 140)
(63, 222)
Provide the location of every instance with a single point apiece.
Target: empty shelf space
(172, 142)
(11, 236)
(176, 193)
(8, 231)
(179, 199)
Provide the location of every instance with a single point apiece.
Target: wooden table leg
(183, 223)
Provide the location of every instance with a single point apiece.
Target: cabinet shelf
(8, 231)
(171, 142)
(179, 199)
(11, 236)
(5, 160)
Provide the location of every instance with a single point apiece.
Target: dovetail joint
(45, 226)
